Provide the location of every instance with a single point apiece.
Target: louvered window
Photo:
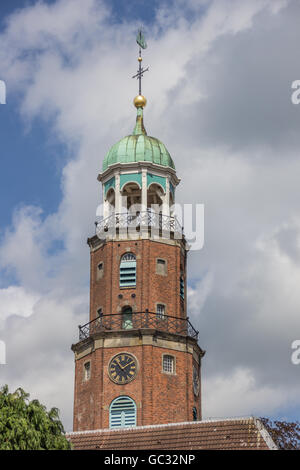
(122, 413)
(128, 270)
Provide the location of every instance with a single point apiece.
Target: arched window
(122, 413)
(133, 194)
(126, 318)
(128, 270)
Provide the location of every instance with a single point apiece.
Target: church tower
(137, 361)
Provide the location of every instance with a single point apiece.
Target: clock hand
(121, 367)
(129, 364)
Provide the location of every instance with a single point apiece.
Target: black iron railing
(138, 320)
(126, 222)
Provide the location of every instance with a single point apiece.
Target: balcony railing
(125, 222)
(136, 321)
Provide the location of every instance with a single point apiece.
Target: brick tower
(137, 361)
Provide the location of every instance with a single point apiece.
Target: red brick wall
(151, 288)
(160, 397)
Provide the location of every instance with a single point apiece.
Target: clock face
(196, 381)
(122, 368)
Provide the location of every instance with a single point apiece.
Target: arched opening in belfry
(132, 197)
(111, 199)
(155, 196)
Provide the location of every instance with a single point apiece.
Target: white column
(166, 199)
(118, 193)
(104, 202)
(144, 190)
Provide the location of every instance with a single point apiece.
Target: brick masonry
(160, 397)
(151, 288)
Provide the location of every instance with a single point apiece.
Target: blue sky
(30, 164)
(31, 157)
(218, 95)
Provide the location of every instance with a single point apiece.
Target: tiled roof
(226, 434)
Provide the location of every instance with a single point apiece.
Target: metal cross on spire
(140, 39)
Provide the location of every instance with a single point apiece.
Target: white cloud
(15, 300)
(38, 352)
(238, 394)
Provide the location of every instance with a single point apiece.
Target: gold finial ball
(140, 59)
(140, 101)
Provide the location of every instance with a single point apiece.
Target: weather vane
(140, 39)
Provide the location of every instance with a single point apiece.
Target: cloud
(38, 352)
(249, 327)
(16, 301)
(238, 394)
(219, 97)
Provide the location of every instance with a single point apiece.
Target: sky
(219, 97)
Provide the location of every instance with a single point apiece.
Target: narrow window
(160, 311)
(100, 270)
(128, 270)
(195, 414)
(182, 287)
(122, 413)
(127, 318)
(87, 371)
(99, 318)
(100, 312)
(161, 266)
(168, 364)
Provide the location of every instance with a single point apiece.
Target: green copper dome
(138, 147)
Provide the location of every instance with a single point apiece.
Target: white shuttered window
(122, 413)
(128, 270)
